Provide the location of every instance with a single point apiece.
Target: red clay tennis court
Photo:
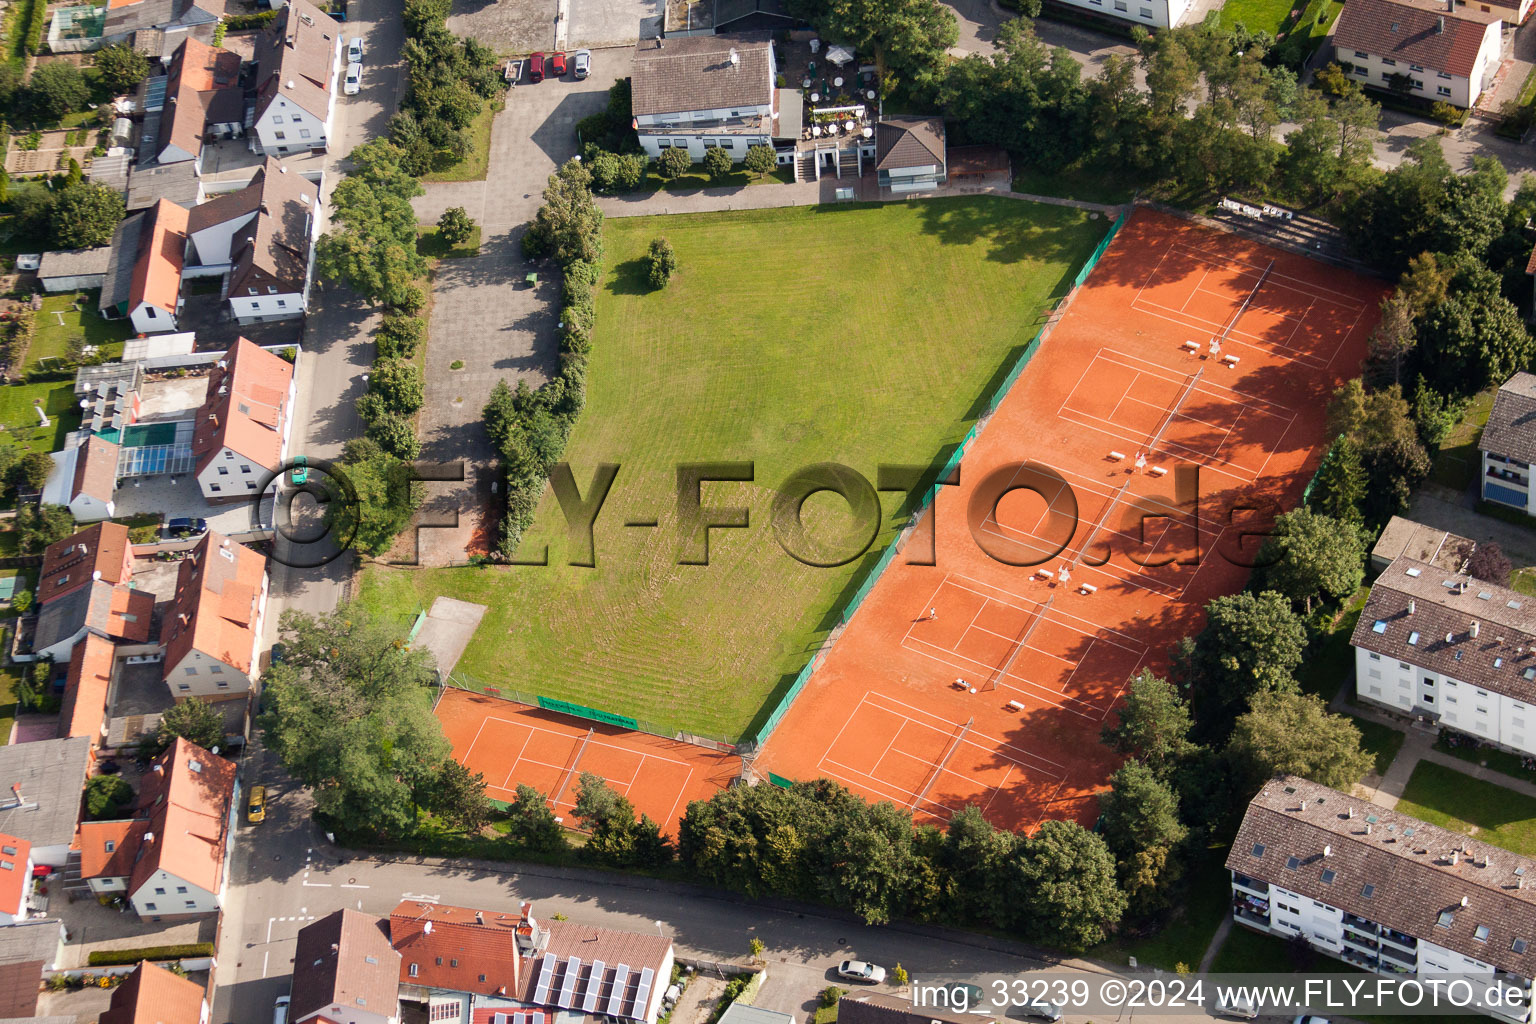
(1171, 412)
(512, 743)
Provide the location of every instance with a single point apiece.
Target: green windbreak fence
(949, 467)
(582, 711)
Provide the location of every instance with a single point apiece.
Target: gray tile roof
(63, 617)
(696, 73)
(1511, 428)
(150, 183)
(51, 774)
(1422, 543)
(878, 1008)
(125, 253)
(1418, 872)
(1415, 32)
(743, 1013)
(909, 142)
(1426, 616)
(75, 262)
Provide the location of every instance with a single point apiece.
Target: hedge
(240, 22)
(121, 957)
(37, 25)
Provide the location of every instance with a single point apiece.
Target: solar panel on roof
(616, 996)
(642, 994)
(546, 975)
(594, 982)
(568, 983)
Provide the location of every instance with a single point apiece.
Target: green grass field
(52, 338)
(1491, 813)
(475, 163)
(853, 334)
(19, 419)
(1458, 462)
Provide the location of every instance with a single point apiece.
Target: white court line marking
(1223, 260)
(950, 657)
(516, 759)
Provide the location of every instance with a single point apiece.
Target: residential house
(1437, 49)
(1447, 648)
(153, 995)
(345, 972)
(910, 153)
(88, 688)
(27, 949)
(743, 1013)
(705, 92)
(241, 435)
(263, 237)
(298, 63)
(15, 878)
(213, 628)
(202, 100)
(470, 965)
(1421, 543)
(143, 279)
(84, 479)
(735, 16)
(1154, 13)
(40, 787)
(153, 27)
(1384, 891)
(1508, 444)
(101, 552)
(73, 270)
(113, 612)
(170, 859)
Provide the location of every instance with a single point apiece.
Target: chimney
(160, 768)
(1413, 606)
(149, 837)
(1367, 828)
(1350, 814)
(1473, 629)
(479, 918)
(16, 791)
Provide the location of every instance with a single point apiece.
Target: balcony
(1363, 941)
(1409, 960)
(1357, 958)
(1407, 942)
(1242, 913)
(1250, 885)
(1388, 967)
(1360, 924)
(1508, 476)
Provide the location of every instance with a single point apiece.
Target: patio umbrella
(838, 81)
(839, 55)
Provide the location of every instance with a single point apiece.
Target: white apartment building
(1447, 648)
(1443, 50)
(1155, 13)
(706, 92)
(1384, 891)
(1509, 444)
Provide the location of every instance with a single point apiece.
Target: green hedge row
(37, 25)
(240, 22)
(121, 957)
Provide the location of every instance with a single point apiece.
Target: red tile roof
(69, 563)
(107, 848)
(162, 250)
(15, 878)
(153, 995)
(214, 610)
(450, 949)
(85, 693)
(197, 72)
(245, 407)
(1421, 32)
(186, 798)
(96, 467)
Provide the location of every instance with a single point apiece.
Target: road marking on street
(355, 885)
(419, 898)
(264, 963)
(317, 885)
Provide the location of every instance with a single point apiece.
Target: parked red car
(536, 68)
(556, 65)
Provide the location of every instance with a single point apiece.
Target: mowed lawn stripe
(860, 335)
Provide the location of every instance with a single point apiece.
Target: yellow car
(256, 810)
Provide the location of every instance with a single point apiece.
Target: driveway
(506, 26)
(484, 316)
(612, 22)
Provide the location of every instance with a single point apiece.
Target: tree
(120, 67)
(1393, 341)
(1475, 337)
(1294, 734)
(1379, 425)
(661, 262)
(456, 797)
(760, 159)
(454, 226)
(107, 797)
(85, 215)
(372, 241)
(1309, 554)
(673, 163)
(569, 226)
(972, 858)
(31, 471)
(717, 162)
(1488, 562)
(1250, 644)
(531, 824)
(398, 336)
(864, 861)
(381, 501)
(1061, 885)
(396, 435)
(616, 837)
(192, 720)
(21, 602)
(908, 38)
(37, 526)
(348, 711)
(1339, 490)
(1153, 725)
(397, 387)
(616, 172)
(1139, 820)
(56, 89)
